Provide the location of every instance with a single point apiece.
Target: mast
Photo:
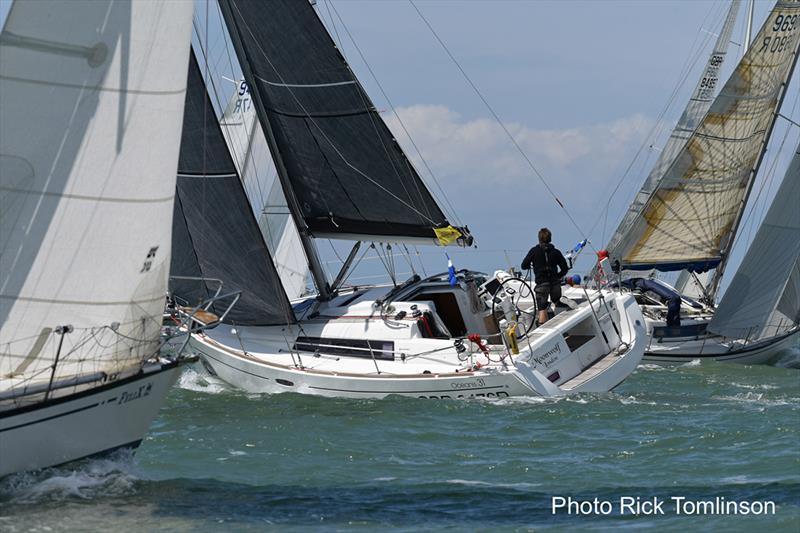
(314, 263)
(749, 27)
(726, 249)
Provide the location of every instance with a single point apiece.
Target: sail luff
(310, 250)
(725, 252)
(215, 231)
(697, 106)
(252, 157)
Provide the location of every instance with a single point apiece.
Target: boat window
(580, 334)
(447, 308)
(347, 347)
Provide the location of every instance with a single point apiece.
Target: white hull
(720, 349)
(545, 367)
(84, 424)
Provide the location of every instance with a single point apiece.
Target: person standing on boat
(549, 266)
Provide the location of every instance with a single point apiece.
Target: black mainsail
(345, 173)
(214, 232)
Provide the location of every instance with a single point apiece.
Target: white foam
(195, 378)
(477, 483)
(756, 398)
(85, 480)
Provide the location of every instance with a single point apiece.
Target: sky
(581, 85)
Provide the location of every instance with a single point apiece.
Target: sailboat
(452, 335)
(687, 215)
(91, 98)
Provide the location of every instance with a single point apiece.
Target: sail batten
(345, 173)
(688, 219)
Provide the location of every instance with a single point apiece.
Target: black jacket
(548, 263)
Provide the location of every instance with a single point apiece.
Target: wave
(476, 483)
(756, 398)
(112, 475)
(790, 359)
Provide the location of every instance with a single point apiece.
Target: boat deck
(598, 367)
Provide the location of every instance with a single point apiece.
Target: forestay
(698, 105)
(690, 218)
(253, 160)
(215, 233)
(348, 175)
(762, 299)
(91, 98)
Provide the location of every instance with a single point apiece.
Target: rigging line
(210, 80)
(372, 112)
(353, 268)
(768, 180)
(501, 124)
(249, 158)
(205, 112)
(407, 257)
(365, 101)
(318, 127)
(658, 125)
(453, 212)
(421, 264)
(285, 305)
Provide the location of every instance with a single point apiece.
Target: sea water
(218, 459)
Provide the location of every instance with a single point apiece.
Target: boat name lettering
(548, 357)
(499, 394)
(135, 394)
(479, 382)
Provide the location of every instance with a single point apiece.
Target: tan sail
(689, 219)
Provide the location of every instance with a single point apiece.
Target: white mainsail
(254, 161)
(762, 299)
(689, 220)
(698, 106)
(91, 100)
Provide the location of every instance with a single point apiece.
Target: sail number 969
(784, 23)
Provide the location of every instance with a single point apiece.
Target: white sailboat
(453, 335)
(687, 214)
(91, 98)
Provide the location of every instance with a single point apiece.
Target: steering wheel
(516, 290)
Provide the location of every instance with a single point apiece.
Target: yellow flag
(447, 235)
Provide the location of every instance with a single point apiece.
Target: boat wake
(108, 476)
(791, 359)
(197, 379)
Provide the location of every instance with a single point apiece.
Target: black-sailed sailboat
(452, 335)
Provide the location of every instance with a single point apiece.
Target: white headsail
(91, 100)
(253, 159)
(762, 299)
(688, 220)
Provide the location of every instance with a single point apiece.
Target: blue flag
(451, 272)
